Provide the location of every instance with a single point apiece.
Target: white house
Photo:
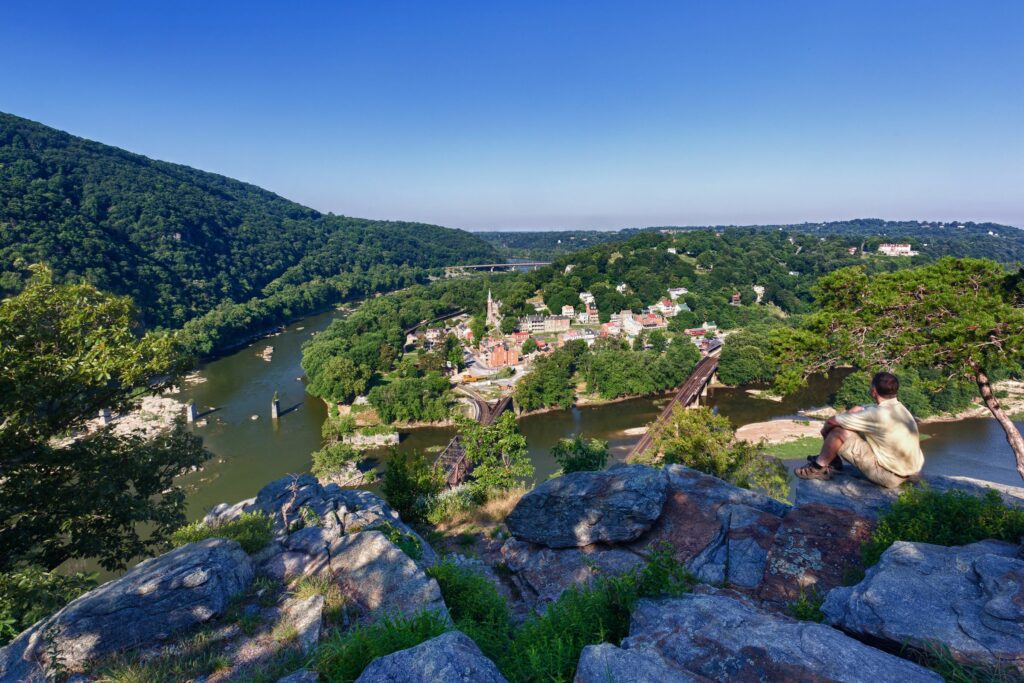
(676, 292)
(890, 249)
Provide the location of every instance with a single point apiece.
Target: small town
(498, 361)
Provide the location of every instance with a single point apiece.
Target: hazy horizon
(577, 115)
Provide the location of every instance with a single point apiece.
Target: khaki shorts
(856, 451)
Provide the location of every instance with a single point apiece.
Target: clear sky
(485, 114)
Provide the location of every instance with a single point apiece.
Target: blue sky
(551, 114)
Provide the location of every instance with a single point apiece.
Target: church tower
(493, 316)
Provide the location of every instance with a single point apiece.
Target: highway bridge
(452, 461)
(454, 271)
(688, 394)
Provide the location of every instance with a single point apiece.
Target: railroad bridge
(453, 461)
(688, 395)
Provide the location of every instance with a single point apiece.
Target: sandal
(836, 464)
(813, 470)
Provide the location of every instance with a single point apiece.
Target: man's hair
(886, 384)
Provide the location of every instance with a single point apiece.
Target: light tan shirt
(891, 431)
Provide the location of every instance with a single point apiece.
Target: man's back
(891, 431)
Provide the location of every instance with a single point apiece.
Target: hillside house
(676, 292)
(892, 249)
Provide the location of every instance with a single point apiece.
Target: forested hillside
(181, 241)
(934, 239)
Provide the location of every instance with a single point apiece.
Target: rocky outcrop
(376, 575)
(380, 578)
(605, 662)
(723, 638)
(812, 552)
(969, 599)
(298, 502)
(542, 574)
(583, 508)
(690, 522)
(305, 616)
(154, 601)
(448, 657)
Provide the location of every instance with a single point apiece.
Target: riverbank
(779, 431)
(1012, 404)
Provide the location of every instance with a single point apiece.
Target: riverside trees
(960, 318)
(66, 352)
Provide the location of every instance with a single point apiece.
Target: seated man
(882, 440)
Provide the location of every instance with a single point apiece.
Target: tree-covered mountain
(936, 239)
(181, 241)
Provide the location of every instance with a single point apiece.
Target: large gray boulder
(381, 579)
(583, 508)
(739, 553)
(967, 598)
(606, 663)
(726, 639)
(690, 521)
(449, 657)
(154, 601)
(542, 574)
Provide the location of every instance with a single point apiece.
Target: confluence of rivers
(250, 453)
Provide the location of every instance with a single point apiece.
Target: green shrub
(941, 660)
(332, 459)
(476, 607)
(447, 504)
(409, 482)
(578, 455)
(336, 427)
(30, 594)
(408, 543)
(343, 656)
(705, 441)
(547, 647)
(252, 530)
(807, 607)
(197, 657)
(950, 518)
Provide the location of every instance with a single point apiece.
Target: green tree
(509, 324)
(409, 482)
(339, 380)
(66, 352)
(700, 439)
(743, 362)
(497, 451)
(529, 346)
(333, 459)
(658, 341)
(479, 329)
(961, 318)
(579, 455)
(454, 352)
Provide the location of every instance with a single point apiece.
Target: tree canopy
(960, 318)
(66, 352)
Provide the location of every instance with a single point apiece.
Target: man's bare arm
(832, 423)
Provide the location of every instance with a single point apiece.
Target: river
(249, 453)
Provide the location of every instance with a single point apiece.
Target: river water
(249, 453)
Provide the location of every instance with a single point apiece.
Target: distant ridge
(179, 240)
(1003, 243)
